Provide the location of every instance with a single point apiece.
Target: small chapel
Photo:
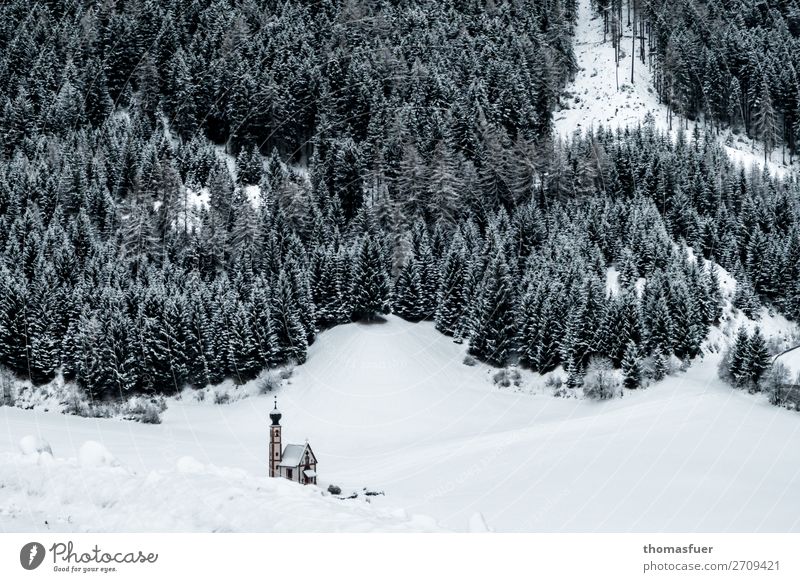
(294, 462)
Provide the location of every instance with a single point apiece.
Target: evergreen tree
(738, 357)
(243, 353)
(451, 304)
(370, 283)
(291, 338)
(631, 367)
(493, 339)
(408, 293)
(757, 360)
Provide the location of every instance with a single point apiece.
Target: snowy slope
(42, 494)
(392, 408)
(779, 331)
(595, 99)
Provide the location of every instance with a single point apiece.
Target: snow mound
(477, 524)
(70, 497)
(189, 465)
(94, 454)
(33, 445)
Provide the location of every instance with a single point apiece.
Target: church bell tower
(274, 440)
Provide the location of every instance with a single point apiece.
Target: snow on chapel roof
(292, 455)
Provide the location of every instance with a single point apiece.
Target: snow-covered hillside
(391, 407)
(45, 494)
(595, 99)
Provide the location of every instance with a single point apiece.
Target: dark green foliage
(631, 367)
(738, 357)
(370, 290)
(735, 64)
(408, 292)
(746, 361)
(493, 339)
(452, 296)
(757, 359)
(132, 259)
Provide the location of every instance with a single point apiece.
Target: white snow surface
(391, 408)
(791, 359)
(596, 100)
(94, 454)
(33, 445)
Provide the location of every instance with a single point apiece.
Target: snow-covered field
(391, 408)
(596, 100)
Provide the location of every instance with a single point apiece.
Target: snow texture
(94, 454)
(33, 445)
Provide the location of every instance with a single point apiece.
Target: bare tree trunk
(783, 142)
(5, 389)
(633, 46)
(641, 39)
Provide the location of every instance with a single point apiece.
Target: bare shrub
(287, 371)
(221, 398)
(507, 377)
(144, 410)
(268, 381)
(776, 383)
(600, 381)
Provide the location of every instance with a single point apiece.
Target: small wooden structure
(294, 462)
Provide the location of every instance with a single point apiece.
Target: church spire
(275, 414)
(275, 446)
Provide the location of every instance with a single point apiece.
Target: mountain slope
(390, 407)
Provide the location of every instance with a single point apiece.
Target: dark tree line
(370, 78)
(142, 293)
(135, 255)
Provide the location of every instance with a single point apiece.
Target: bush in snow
(144, 410)
(268, 381)
(78, 404)
(600, 381)
(469, 360)
(221, 398)
(506, 377)
(556, 384)
(334, 489)
(287, 370)
(776, 383)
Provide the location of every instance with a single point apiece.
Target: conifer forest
(192, 190)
